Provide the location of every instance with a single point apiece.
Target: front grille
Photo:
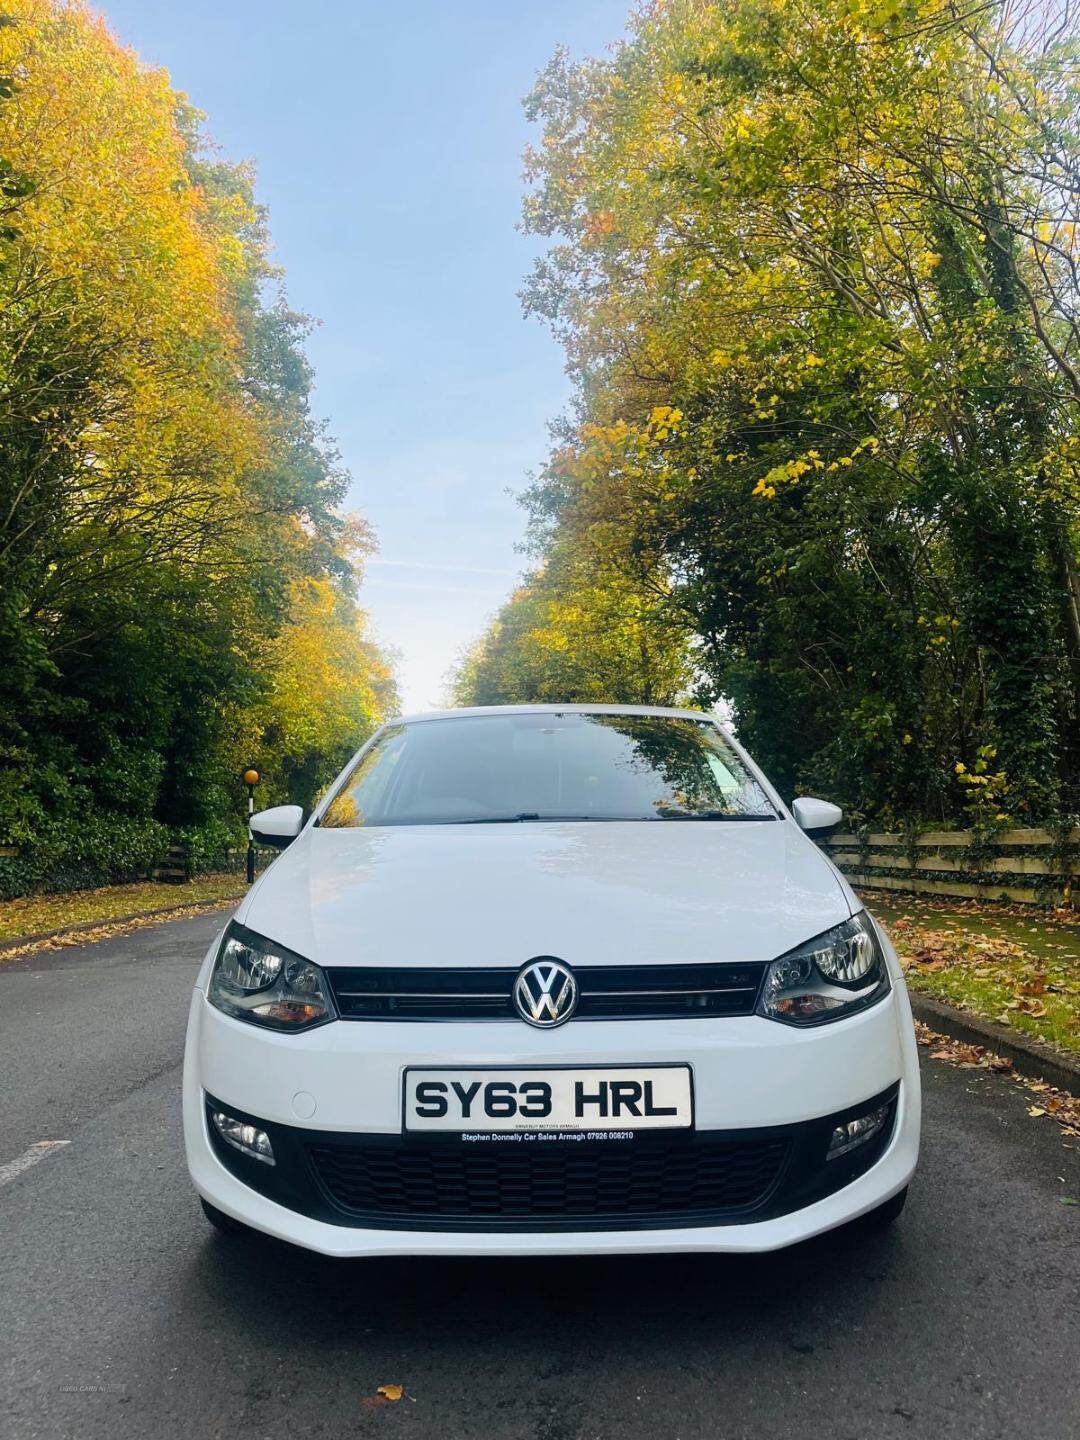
(606, 992)
(558, 1183)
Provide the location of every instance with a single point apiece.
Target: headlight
(838, 973)
(255, 980)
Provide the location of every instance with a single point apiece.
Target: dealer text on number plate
(655, 1097)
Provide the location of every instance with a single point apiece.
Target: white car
(550, 979)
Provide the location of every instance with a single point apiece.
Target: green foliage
(815, 270)
(78, 854)
(577, 634)
(168, 503)
(208, 845)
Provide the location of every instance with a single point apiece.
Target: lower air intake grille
(565, 1183)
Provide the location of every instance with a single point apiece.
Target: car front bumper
(345, 1079)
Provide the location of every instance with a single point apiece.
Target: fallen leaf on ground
(391, 1392)
(112, 931)
(968, 1054)
(1059, 1105)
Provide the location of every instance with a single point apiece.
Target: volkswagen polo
(550, 979)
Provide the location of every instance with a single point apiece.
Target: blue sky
(388, 142)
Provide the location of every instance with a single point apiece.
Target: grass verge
(38, 914)
(1021, 970)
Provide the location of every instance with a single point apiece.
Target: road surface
(123, 1314)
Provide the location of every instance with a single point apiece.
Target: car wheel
(220, 1221)
(885, 1214)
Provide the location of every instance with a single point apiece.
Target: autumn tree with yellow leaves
(177, 584)
(815, 266)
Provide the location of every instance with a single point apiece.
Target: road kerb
(1030, 1057)
(105, 922)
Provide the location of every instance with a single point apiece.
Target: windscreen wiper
(710, 815)
(535, 815)
(610, 819)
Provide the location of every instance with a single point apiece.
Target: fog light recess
(243, 1137)
(856, 1132)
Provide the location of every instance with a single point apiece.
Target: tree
(593, 622)
(836, 240)
(168, 504)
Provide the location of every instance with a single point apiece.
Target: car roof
(422, 716)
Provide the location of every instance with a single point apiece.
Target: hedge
(109, 849)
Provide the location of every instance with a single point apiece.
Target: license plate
(605, 1098)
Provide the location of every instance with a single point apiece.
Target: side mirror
(816, 816)
(278, 826)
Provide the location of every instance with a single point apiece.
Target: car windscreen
(487, 769)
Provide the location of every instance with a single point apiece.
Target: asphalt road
(122, 1313)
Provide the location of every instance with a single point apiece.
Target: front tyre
(884, 1215)
(224, 1224)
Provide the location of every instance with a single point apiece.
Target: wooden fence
(1035, 867)
(176, 866)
